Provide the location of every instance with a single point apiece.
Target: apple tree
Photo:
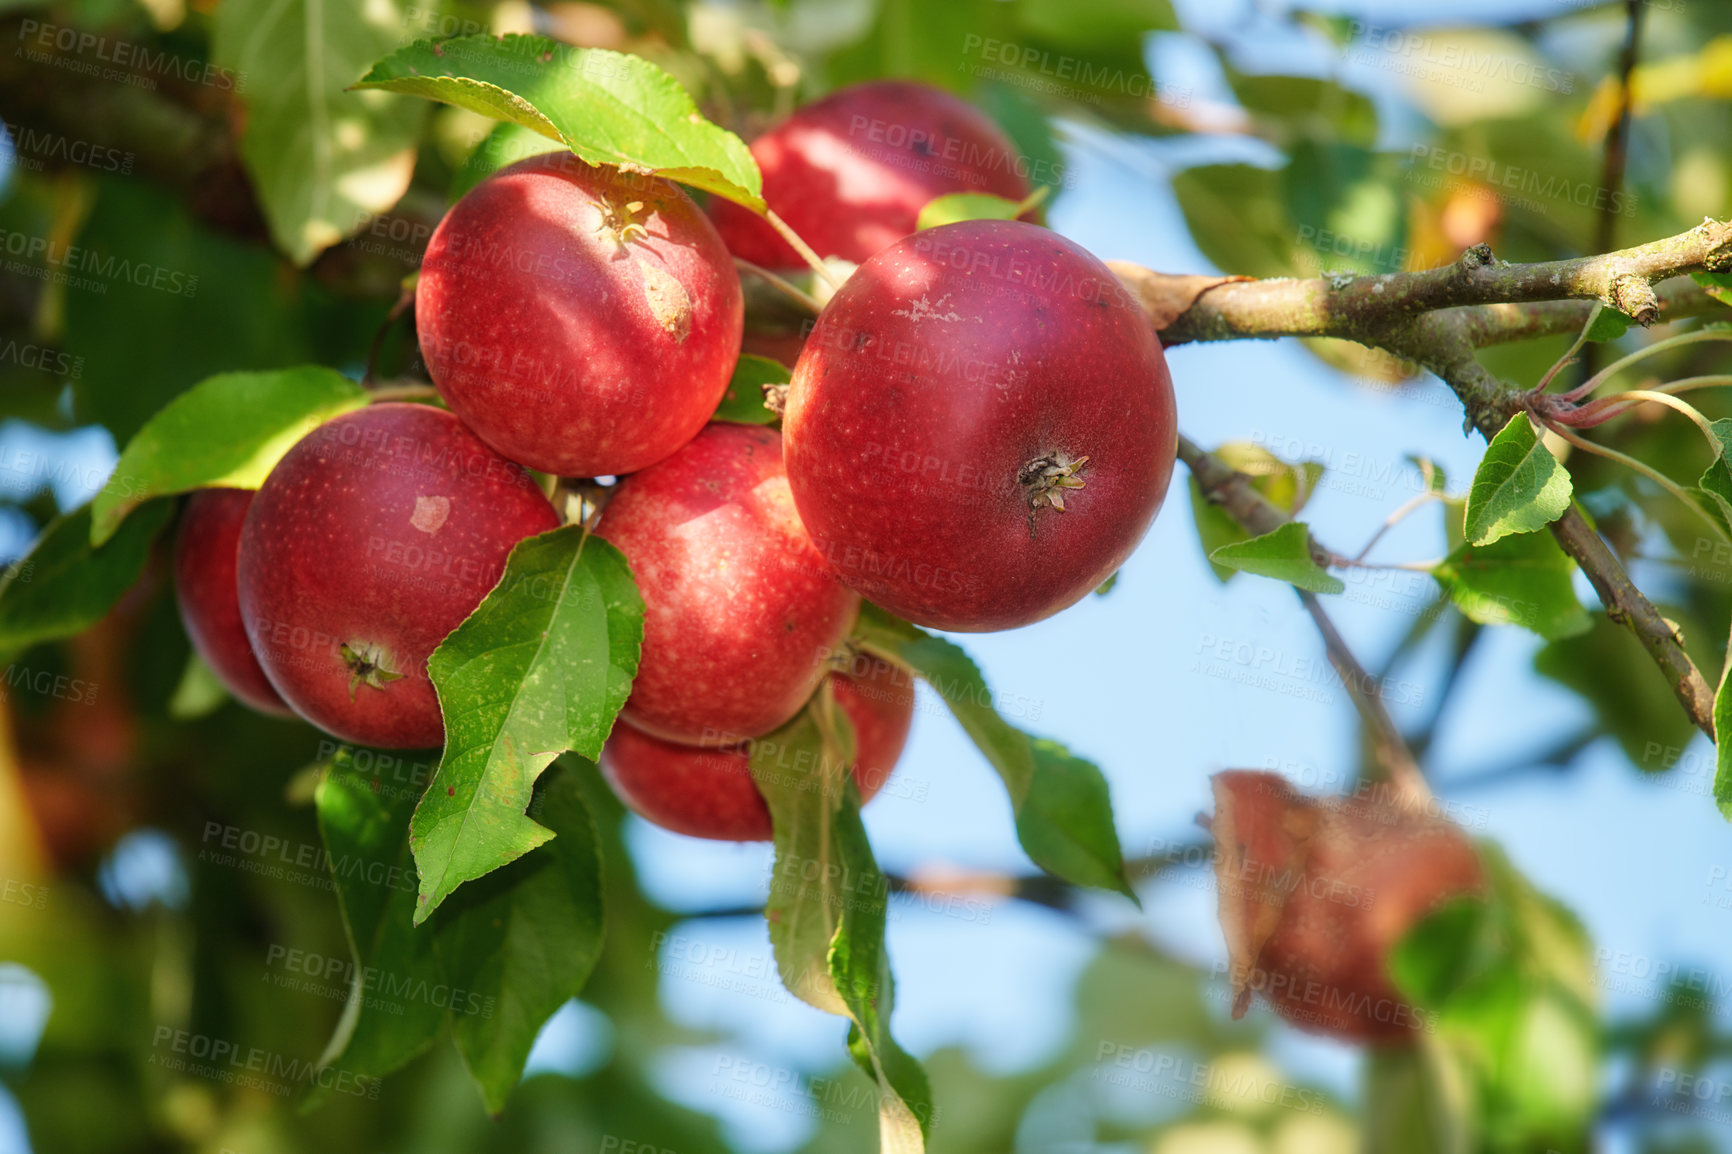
(539, 423)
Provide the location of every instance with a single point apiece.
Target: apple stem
(787, 288)
(804, 249)
(402, 393)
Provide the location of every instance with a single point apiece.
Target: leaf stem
(1033, 200)
(1673, 402)
(1605, 374)
(1645, 470)
(405, 300)
(1609, 408)
(1394, 518)
(1691, 384)
(1339, 562)
(1569, 356)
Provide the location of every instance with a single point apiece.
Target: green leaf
(227, 431)
(1717, 284)
(1511, 926)
(1723, 744)
(1287, 486)
(954, 207)
(1064, 817)
(1345, 201)
(743, 403)
(506, 144)
(391, 1015)
(1306, 108)
(1417, 1101)
(1109, 26)
(1716, 482)
(220, 304)
(1518, 580)
(322, 160)
(1449, 948)
(499, 959)
(199, 693)
(1284, 554)
(828, 905)
(1608, 324)
(1021, 115)
(914, 40)
(541, 667)
(523, 940)
(1436, 480)
(1509, 981)
(1519, 486)
(860, 969)
(1238, 216)
(65, 584)
(607, 107)
(799, 770)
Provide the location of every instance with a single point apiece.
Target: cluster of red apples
(978, 432)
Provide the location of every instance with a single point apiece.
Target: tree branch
(1440, 342)
(1235, 494)
(1618, 139)
(1040, 889)
(1615, 155)
(1680, 299)
(1366, 308)
(1437, 319)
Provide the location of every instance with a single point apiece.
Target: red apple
(1314, 895)
(851, 172)
(205, 555)
(740, 613)
(582, 321)
(710, 792)
(980, 427)
(373, 538)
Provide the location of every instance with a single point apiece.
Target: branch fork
(1438, 318)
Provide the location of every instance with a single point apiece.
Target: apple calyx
(1047, 477)
(776, 397)
(367, 665)
(622, 225)
(842, 656)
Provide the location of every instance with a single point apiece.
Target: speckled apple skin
(710, 793)
(851, 172)
(385, 528)
(946, 364)
(740, 614)
(206, 553)
(566, 344)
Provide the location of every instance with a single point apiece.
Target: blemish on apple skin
(430, 513)
(668, 301)
(924, 310)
